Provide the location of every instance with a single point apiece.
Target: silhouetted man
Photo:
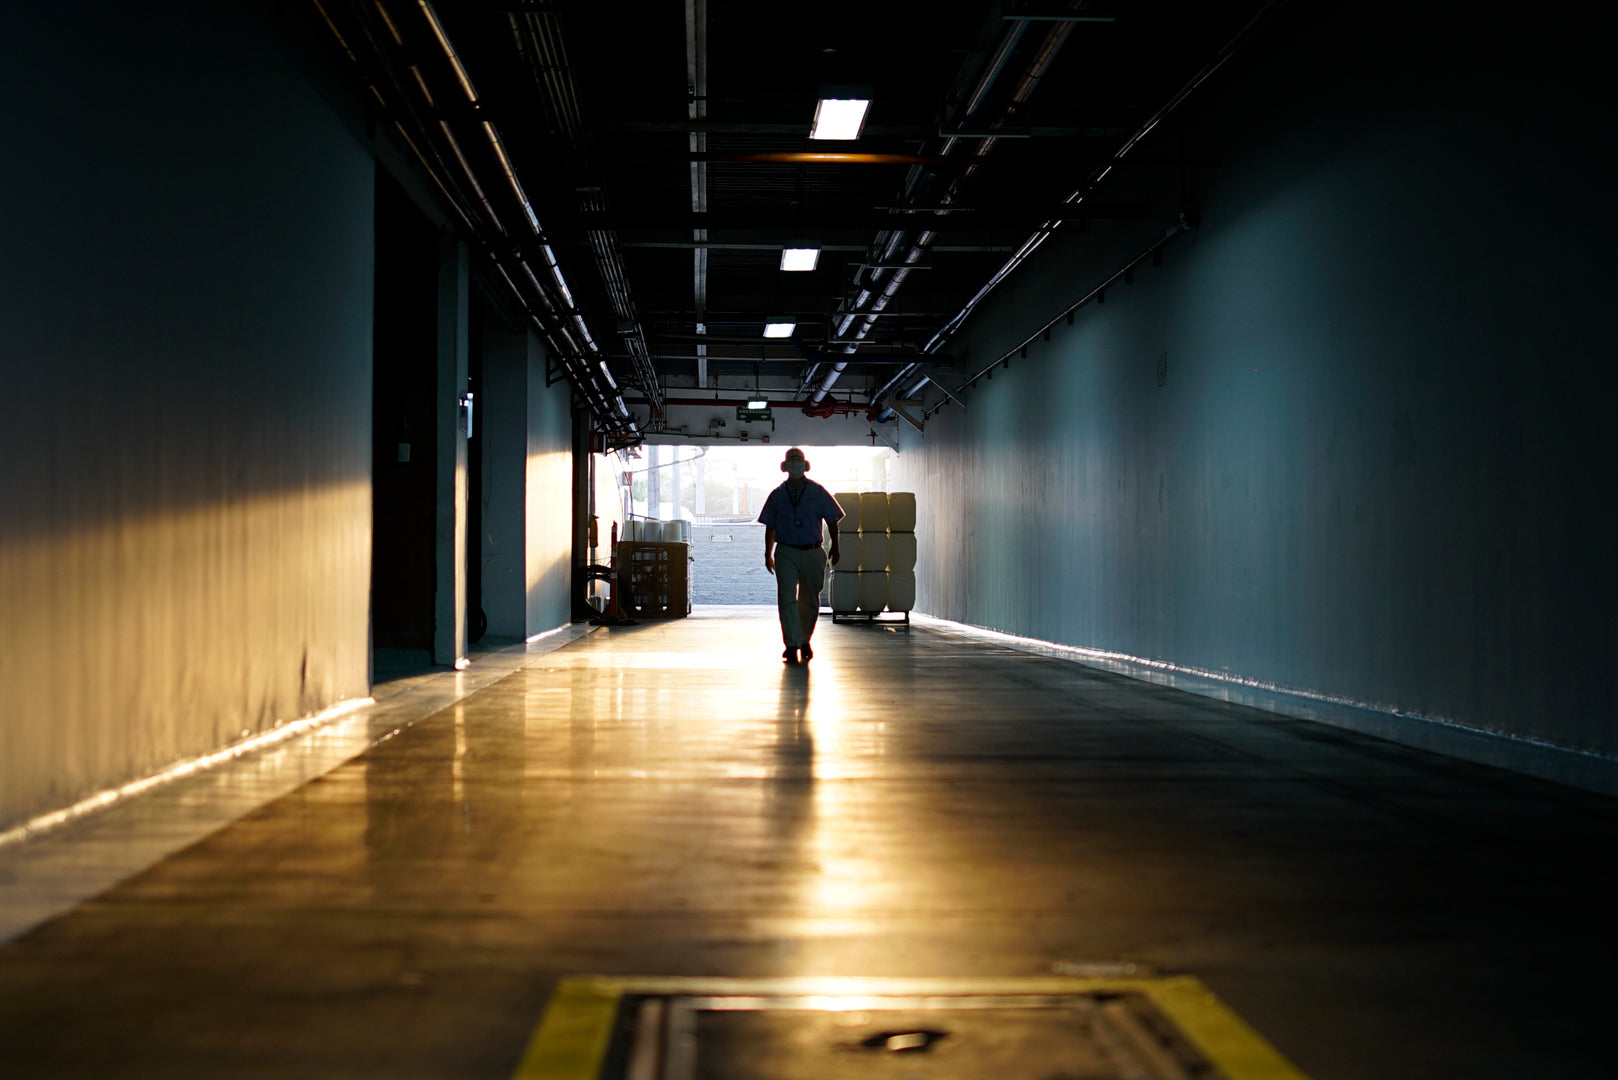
(791, 518)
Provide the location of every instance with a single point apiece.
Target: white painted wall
(185, 349)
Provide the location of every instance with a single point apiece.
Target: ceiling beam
(931, 161)
(870, 131)
(775, 245)
(791, 222)
(752, 341)
(753, 308)
(856, 363)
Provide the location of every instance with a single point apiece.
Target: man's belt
(800, 547)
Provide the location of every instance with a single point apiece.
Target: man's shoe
(790, 654)
(805, 653)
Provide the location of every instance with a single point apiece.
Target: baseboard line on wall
(54, 819)
(56, 860)
(1545, 761)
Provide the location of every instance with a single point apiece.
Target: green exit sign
(748, 416)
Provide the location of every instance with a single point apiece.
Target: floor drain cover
(854, 1029)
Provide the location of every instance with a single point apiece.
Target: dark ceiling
(659, 160)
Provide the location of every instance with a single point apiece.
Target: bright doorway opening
(720, 490)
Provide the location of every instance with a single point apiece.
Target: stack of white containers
(649, 531)
(877, 570)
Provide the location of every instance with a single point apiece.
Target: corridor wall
(1352, 437)
(185, 344)
(526, 546)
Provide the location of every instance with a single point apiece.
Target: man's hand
(769, 564)
(836, 553)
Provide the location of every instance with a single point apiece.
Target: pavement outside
(729, 566)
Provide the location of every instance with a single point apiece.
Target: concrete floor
(669, 799)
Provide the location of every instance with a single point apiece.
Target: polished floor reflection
(670, 799)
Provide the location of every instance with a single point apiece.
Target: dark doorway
(404, 450)
(477, 620)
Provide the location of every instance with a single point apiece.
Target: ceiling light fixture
(799, 258)
(780, 326)
(757, 403)
(839, 118)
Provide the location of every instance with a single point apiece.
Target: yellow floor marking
(1223, 1037)
(572, 1039)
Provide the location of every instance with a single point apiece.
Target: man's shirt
(796, 515)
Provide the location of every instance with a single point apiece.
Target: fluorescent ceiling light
(780, 327)
(799, 258)
(757, 403)
(839, 118)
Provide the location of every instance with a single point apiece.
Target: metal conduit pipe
(539, 41)
(1031, 76)
(1009, 40)
(1179, 227)
(901, 374)
(997, 64)
(887, 244)
(534, 299)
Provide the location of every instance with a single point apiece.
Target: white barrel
(902, 512)
(901, 590)
(901, 551)
(873, 590)
(682, 531)
(631, 530)
(850, 502)
(873, 511)
(873, 551)
(845, 590)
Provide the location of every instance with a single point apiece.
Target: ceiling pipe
(1009, 38)
(696, 71)
(603, 400)
(1033, 72)
(890, 242)
(470, 204)
(1121, 274)
(539, 40)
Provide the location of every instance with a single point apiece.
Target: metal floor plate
(860, 1029)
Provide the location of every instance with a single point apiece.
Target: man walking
(791, 518)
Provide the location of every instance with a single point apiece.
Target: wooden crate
(654, 579)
